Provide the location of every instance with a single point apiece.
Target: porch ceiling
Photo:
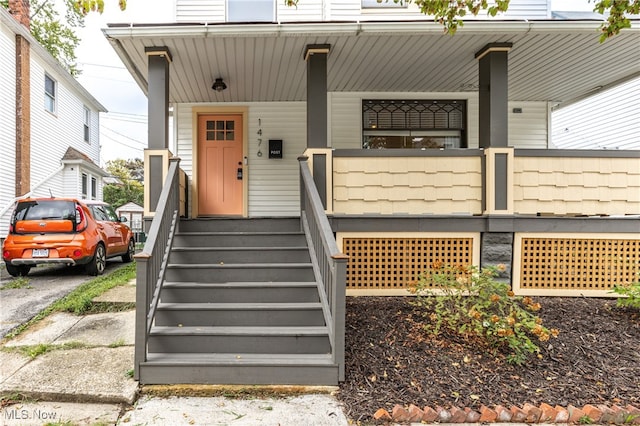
(557, 61)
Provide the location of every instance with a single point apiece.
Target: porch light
(219, 85)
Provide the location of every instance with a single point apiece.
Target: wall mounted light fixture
(219, 85)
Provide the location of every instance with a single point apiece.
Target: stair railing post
(339, 311)
(303, 191)
(143, 295)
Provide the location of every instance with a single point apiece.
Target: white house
(364, 121)
(609, 119)
(49, 135)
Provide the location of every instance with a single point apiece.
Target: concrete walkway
(78, 369)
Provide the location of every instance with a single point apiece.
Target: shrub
(472, 303)
(630, 293)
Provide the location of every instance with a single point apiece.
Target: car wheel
(131, 250)
(17, 271)
(98, 263)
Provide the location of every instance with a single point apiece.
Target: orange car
(65, 230)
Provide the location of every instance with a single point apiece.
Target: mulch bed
(389, 360)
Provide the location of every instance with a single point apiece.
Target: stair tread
(239, 358)
(242, 284)
(240, 330)
(189, 233)
(239, 306)
(240, 265)
(238, 248)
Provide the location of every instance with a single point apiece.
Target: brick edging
(527, 413)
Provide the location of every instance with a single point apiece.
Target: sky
(123, 130)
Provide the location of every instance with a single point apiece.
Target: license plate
(40, 253)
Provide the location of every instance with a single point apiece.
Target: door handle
(239, 172)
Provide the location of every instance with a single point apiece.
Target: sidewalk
(85, 377)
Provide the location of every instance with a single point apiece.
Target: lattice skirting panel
(563, 265)
(385, 263)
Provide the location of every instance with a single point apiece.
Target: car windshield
(45, 209)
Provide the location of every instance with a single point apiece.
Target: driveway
(46, 285)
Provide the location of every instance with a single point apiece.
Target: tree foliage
(130, 173)
(55, 33)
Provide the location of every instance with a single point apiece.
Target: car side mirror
(123, 218)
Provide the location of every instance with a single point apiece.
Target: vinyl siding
(529, 128)
(53, 134)
(350, 10)
(200, 10)
(272, 183)
(609, 120)
(307, 10)
(346, 10)
(7, 124)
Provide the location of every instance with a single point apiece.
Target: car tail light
(81, 221)
(77, 253)
(6, 254)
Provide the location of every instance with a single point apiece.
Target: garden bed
(390, 360)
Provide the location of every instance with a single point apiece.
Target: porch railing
(152, 261)
(331, 262)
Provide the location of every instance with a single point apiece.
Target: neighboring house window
(94, 188)
(251, 10)
(49, 94)
(413, 124)
(377, 4)
(87, 124)
(85, 185)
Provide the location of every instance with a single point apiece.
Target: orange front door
(220, 168)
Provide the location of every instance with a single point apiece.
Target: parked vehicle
(67, 231)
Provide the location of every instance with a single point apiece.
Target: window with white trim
(50, 90)
(251, 10)
(85, 185)
(414, 123)
(86, 128)
(94, 187)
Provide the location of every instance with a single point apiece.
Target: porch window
(417, 124)
(251, 10)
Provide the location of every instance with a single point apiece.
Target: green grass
(79, 301)
(19, 282)
(34, 351)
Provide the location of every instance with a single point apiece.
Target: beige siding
(412, 185)
(529, 128)
(585, 186)
(272, 183)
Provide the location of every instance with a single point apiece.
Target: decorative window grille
(414, 123)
